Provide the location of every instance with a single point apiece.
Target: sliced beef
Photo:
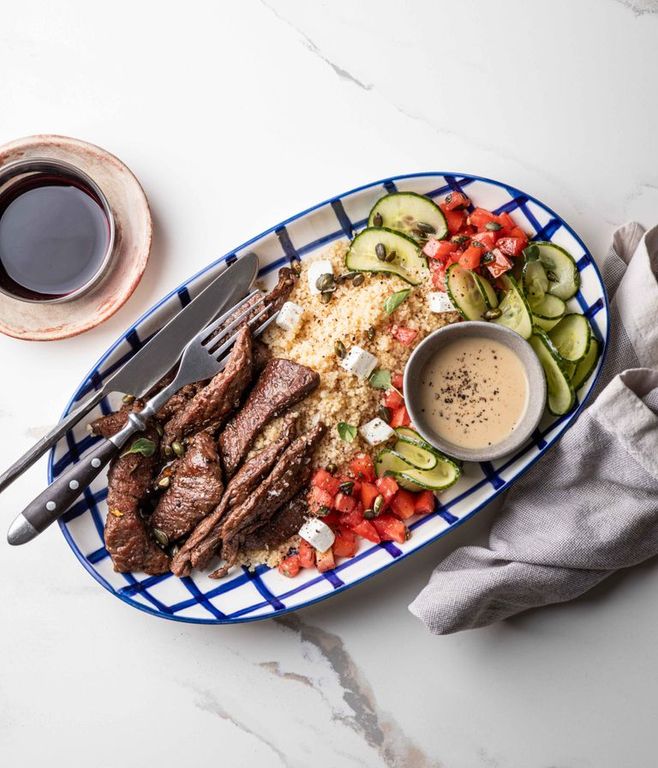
(261, 356)
(196, 488)
(281, 384)
(204, 540)
(127, 538)
(211, 405)
(290, 474)
(111, 423)
(284, 524)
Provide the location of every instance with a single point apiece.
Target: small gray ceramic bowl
(536, 386)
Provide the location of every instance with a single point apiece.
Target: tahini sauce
(474, 392)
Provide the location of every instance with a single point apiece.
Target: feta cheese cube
(317, 533)
(439, 301)
(359, 362)
(376, 431)
(317, 268)
(290, 316)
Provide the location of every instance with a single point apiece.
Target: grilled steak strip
(212, 404)
(204, 540)
(127, 538)
(284, 524)
(281, 384)
(111, 423)
(196, 488)
(290, 474)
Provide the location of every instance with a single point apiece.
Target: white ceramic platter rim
(266, 593)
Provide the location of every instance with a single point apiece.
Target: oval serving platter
(248, 596)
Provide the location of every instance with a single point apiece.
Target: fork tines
(217, 351)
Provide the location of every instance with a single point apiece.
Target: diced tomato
(345, 544)
(500, 264)
(344, 503)
(353, 518)
(400, 418)
(291, 566)
(397, 380)
(390, 528)
(326, 481)
(455, 200)
(438, 249)
(393, 399)
(363, 468)
(332, 520)
(366, 530)
(306, 555)
(511, 246)
(506, 222)
(424, 503)
(488, 239)
(438, 276)
(325, 560)
(518, 232)
(480, 218)
(403, 334)
(369, 493)
(471, 257)
(454, 219)
(404, 504)
(318, 497)
(387, 487)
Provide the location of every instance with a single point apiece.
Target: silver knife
(156, 357)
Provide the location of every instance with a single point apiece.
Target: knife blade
(157, 357)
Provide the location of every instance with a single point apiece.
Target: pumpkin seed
(346, 276)
(370, 333)
(339, 349)
(325, 282)
(384, 413)
(358, 279)
(492, 314)
(128, 399)
(552, 276)
(331, 468)
(161, 537)
(164, 482)
(159, 428)
(168, 452)
(325, 297)
(378, 504)
(426, 228)
(177, 448)
(493, 226)
(369, 514)
(346, 487)
(377, 220)
(391, 257)
(380, 251)
(323, 511)
(459, 239)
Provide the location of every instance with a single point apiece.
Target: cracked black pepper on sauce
(474, 392)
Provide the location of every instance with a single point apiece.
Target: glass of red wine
(56, 231)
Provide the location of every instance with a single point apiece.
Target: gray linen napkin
(590, 506)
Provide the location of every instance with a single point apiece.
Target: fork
(202, 358)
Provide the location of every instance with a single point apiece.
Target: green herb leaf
(142, 445)
(380, 379)
(346, 431)
(395, 299)
(531, 252)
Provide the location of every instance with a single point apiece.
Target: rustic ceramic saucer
(133, 232)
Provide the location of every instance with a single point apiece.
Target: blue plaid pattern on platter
(263, 593)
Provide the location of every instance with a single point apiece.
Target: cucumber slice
(418, 457)
(571, 337)
(548, 308)
(409, 262)
(404, 211)
(442, 476)
(409, 435)
(585, 367)
(535, 282)
(559, 264)
(561, 395)
(544, 323)
(465, 293)
(487, 291)
(516, 312)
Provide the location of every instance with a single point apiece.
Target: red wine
(54, 236)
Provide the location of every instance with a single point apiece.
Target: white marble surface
(235, 115)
